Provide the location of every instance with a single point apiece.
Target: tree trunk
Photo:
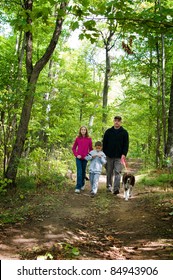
(108, 46)
(158, 132)
(9, 131)
(163, 96)
(106, 87)
(150, 105)
(169, 144)
(43, 137)
(21, 135)
(32, 75)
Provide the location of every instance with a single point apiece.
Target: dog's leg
(124, 194)
(127, 194)
(130, 191)
(123, 189)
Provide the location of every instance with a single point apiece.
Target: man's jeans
(81, 171)
(113, 168)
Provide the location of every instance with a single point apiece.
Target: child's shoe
(92, 194)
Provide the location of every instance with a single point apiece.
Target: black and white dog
(128, 181)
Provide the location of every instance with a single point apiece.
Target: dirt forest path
(78, 226)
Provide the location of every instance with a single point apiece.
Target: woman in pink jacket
(81, 147)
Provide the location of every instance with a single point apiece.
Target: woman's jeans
(81, 172)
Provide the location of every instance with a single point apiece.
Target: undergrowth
(30, 199)
(157, 178)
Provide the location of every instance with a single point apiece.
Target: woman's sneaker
(77, 191)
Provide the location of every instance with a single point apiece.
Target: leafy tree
(62, 89)
(27, 13)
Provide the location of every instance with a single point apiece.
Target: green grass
(157, 179)
(29, 200)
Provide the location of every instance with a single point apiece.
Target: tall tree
(158, 130)
(33, 72)
(108, 44)
(169, 143)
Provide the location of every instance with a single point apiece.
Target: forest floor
(65, 225)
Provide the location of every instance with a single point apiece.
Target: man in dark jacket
(115, 147)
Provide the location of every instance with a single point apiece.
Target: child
(97, 158)
(81, 147)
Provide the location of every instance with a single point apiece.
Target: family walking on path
(115, 149)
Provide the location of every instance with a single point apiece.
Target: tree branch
(49, 51)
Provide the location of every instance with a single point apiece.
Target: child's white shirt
(96, 163)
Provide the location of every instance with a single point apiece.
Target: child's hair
(80, 134)
(98, 143)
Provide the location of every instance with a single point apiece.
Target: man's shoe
(82, 189)
(109, 189)
(116, 192)
(77, 191)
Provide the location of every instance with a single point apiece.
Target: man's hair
(117, 118)
(98, 143)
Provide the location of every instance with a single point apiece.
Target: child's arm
(103, 158)
(88, 157)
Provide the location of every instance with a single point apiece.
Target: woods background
(120, 63)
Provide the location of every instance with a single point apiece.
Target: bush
(3, 184)
(157, 179)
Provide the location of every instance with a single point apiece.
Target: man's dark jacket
(115, 142)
